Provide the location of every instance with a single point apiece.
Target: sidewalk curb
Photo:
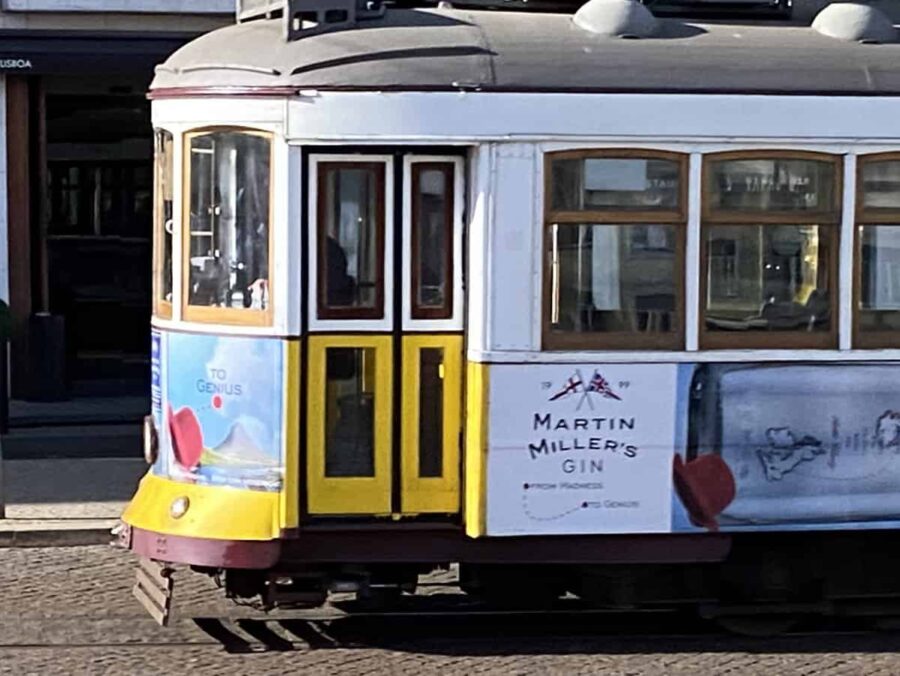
(45, 537)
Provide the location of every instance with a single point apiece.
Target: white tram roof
(451, 49)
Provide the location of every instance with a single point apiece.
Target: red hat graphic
(187, 437)
(706, 487)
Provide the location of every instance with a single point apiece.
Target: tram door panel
(385, 347)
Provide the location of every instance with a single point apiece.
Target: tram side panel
(594, 448)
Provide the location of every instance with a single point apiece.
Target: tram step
(153, 589)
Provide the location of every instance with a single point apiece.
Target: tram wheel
(758, 626)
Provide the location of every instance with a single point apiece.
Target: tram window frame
(377, 311)
(214, 314)
(676, 217)
(871, 217)
(163, 175)
(828, 221)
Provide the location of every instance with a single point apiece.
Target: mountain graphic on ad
(237, 449)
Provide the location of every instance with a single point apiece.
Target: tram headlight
(179, 507)
(151, 440)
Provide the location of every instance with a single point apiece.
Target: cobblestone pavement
(69, 610)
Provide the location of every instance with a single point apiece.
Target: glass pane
(879, 302)
(615, 183)
(771, 185)
(433, 235)
(229, 220)
(431, 412)
(613, 278)
(881, 185)
(349, 412)
(351, 224)
(164, 214)
(768, 278)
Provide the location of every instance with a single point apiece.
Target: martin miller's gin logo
(15, 64)
(584, 388)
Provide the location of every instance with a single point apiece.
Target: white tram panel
(447, 117)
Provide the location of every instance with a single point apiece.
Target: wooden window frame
(828, 221)
(161, 308)
(869, 218)
(444, 311)
(323, 310)
(223, 315)
(616, 340)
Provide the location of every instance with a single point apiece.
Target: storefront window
(614, 239)
(351, 240)
(228, 220)
(770, 238)
(877, 307)
(163, 224)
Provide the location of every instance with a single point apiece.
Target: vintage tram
(577, 313)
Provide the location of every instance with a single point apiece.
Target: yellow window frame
(431, 494)
(349, 495)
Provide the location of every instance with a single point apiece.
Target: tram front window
(229, 220)
(351, 222)
(613, 278)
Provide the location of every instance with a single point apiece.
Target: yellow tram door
(384, 379)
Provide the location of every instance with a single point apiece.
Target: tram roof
(452, 49)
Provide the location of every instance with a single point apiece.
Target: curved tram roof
(449, 49)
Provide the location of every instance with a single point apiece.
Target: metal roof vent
(616, 19)
(855, 23)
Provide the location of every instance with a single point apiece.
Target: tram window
(431, 412)
(614, 279)
(163, 223)
(770, 234)
(351, 240)
(615, 240)
(228, 219)
(615, 183)
(349, 412)
(771, 184)
(432, 240)
(877, 306)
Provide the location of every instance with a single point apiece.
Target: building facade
(76, 185)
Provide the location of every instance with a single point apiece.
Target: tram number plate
(153, 588)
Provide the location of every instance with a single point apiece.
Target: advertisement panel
(580, 449)
(626, 448)
(220, 409)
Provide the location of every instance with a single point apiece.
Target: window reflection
(881, 184)
(879, 298)
(350, 247)
(229, 220)
(349, 412)
(771, 184)
(615, 183)
(767, 277)
(613, 278)
(431, 412)
(432, 240)
(164, 212)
